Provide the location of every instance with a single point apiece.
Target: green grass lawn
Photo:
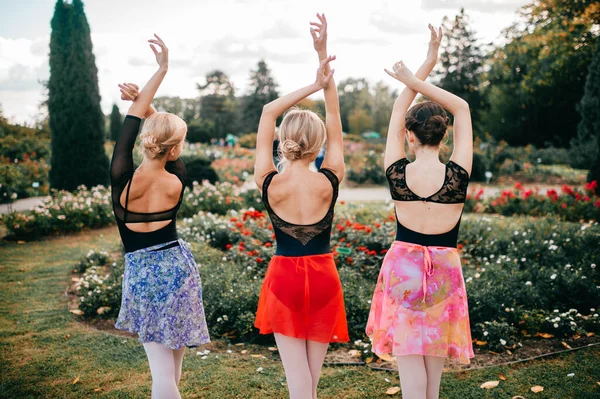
(44, 349)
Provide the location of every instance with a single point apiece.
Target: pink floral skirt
(419, 305)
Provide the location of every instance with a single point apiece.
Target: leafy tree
(383, 104)
(218, 103)
(75, 117)
(360, 121)
(263, 90)
(115, 122)
(187, 109)
(588, 131)
(537, 78)
(354, 94)
(461, 67)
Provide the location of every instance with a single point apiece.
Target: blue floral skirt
(162, 296)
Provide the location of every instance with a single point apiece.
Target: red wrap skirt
(302, 297)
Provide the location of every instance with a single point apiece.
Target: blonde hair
(161, 132)
(301, 135)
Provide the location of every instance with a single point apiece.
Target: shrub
(22, 179)
(248, 140)
(63, 212)
(200, 131)
(99, 290)
(199, 170)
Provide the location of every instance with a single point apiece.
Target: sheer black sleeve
(121, 165)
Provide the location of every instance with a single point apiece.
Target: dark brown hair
(428, 121)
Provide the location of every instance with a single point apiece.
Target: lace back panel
(303, 233)
(453, 191)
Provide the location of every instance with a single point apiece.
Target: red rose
(228, 246)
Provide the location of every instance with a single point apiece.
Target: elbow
(463, 105)
(267, 109)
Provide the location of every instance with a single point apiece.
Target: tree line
(531, 89)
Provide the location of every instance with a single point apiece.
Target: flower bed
(524, 276)
(571, 204)
(22, 178)
(62, 213)
(67, 212)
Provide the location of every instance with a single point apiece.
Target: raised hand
(324, 77)
(162, 57)
(402, 73)
(434, 43)
(319, 33)
(129, 91)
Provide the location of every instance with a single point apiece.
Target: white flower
(485, 333)
(260, 369)
(528, 283)
(553, 276)
(503, 342)
(555, 325)
(571, 375)
(523, 259)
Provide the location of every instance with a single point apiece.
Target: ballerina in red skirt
(301, 300)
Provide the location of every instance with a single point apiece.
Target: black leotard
(121, 173)
(298, 239)
(453, 191)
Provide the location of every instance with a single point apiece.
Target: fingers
(154, 50)
(432, 31)
(134, 86)
(392, 74)
(322, 18)
(126, 96)
(159, 42)
(440, 32)
(314, 34)
(327, 61)
(318, 25)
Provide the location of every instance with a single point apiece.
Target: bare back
(301, 196)
(424, 216)
(151, 192)
(428, 197)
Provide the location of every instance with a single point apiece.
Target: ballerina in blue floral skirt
(162, 294)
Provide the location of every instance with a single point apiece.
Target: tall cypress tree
(76, 119)
(589, 108)
(115, 122)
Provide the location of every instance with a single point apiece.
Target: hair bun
(149, 144)
(291, 148)
(436, 124)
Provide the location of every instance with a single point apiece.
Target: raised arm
(129, 92)
(271, 111)
(463, 131)
(334, 156)
(121, 165)
(394, 147)
(143, 101)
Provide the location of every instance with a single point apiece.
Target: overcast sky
(231, 35)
